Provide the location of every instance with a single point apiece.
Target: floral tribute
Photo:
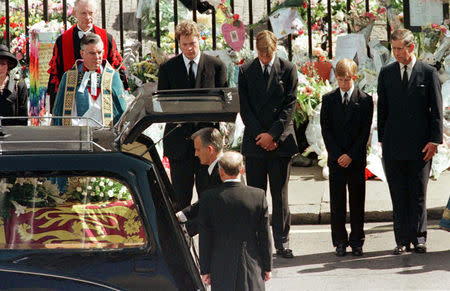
(95, 189)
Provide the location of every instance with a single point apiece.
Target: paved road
(315, 267)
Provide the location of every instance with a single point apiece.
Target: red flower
(305, 4)
(241, 62)
(301, 31)
(236, 16)
(14, 25)
(315, 27)
(381, 10)
(203, 37)
(3, 20)
(4, 34)
(368, 174)
(443, 30)
(434, 25)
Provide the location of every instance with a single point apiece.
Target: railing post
(158, 26)
(103, 7)
(175, 22)
(330, 29)
(27, 37)
(64, 16)
(250, 22)
(213, 24)
(269, 26)
(308, 12)
(121, 24)
(45, 7)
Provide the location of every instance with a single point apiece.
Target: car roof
(192, 105)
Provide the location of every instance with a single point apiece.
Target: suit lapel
(354, 100)
(273, 77)
(260, 83)
(183, 73)
(200, 71)
(412, 80)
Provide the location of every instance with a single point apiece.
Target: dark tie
(405, 77)
(266, 73)
(345, 100)
(191, 74)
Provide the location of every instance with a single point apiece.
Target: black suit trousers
(408, 182)
(183, 174)
(278, 170)
(353, 178)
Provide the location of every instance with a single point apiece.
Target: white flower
(4, 187)
(119, 196)
(84, 193)
(340, 15)
(79, 189)
(102, 184)
(19, 208)
(52, 188)
(111, 193)
(89, 187)
(101, 194)
(93, 179)
(123, 190)
(97, 188)
(110, 183)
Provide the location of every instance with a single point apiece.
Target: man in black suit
(410, 129)
(345, 119)
(268, 94)
(191, 69)
(235, 246)
(208, 144)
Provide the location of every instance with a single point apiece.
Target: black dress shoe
(340, 250)
(420, 248)
(399, 250)
(285, 253)
(357, 251)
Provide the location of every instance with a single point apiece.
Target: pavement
(309, 197)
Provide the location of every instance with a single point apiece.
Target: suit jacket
(235, 245)
(191, 212)
(268, 107)
(408, 119)
(346, 131)
(211, 73)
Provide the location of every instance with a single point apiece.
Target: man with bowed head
(235, 245)
(410, 128)
(67, 46)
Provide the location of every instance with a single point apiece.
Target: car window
(77, 212)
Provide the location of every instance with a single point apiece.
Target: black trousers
(278, 170)
(353, 178)
(408, 182)
(183, 174)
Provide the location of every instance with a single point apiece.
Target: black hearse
(90, 208)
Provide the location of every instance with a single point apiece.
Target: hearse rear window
(69, 213)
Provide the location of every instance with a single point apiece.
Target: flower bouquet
(22, 192)
(95, 189)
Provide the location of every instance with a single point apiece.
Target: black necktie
(191, 74)
(345, 99)
(405, 77)
(266, 73)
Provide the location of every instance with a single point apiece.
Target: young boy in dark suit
(345, 118)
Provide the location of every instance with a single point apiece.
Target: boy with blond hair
(345, 118)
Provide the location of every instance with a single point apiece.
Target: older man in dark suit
(208, 144)
(235, 246)
(410, 129)
(191, 69)
(268, 94)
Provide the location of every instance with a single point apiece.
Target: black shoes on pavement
(418, 248)
(285, 253)
(341, 251)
